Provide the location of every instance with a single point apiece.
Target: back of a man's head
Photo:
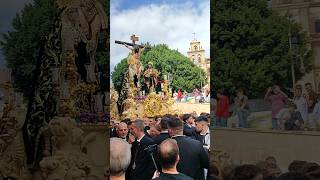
(164, 123)
(120, 156)
(246, 172)
(296, 166)
(293, 176)
(175, 124)
(168, 153)
(311, 170)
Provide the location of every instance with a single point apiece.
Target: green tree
(186, 75)
(21, 45)
(250, 47)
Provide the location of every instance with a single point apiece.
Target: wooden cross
(134, 38)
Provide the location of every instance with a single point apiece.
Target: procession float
(145, 92)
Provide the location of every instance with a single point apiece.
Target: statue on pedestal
(151, 78)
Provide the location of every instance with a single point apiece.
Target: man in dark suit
(141, 166)
(164, 131)
(202, 132)
(188, 127)
(193, 157)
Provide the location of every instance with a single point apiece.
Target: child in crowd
(295, 122)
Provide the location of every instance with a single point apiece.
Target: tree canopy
(21, 45)
(186, 75)
(250, 47)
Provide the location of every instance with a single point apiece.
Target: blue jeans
(221, 122)
(274, 123)
(243, 116)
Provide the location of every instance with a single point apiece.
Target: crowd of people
(202, 96)
(168, 147)
(298, 112)
(265, 170)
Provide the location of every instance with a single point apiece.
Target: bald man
(169, 157)
(120, 156)
(122, 131)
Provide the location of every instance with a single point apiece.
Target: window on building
(199, 58)
(196, 47)
(193, 58)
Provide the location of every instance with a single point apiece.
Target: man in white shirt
(301, 103)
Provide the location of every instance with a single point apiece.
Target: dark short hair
(201, 118)
(309, 167)
(174, 123)
(126, 120)
(168, 116)
(245, 172)
(296, 166)
(292, 176)
(164, 123)
(129, 123)
(185, 117)
(169, 157)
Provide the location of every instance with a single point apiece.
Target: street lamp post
(200, 80)
(292, 61)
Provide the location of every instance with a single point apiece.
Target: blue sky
(170, 22)
(133, 4)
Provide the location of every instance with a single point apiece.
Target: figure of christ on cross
(135, 66)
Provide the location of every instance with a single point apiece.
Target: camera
(150, 150)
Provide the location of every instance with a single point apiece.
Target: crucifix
(134, 38)
(135, 66)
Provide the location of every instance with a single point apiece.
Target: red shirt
(179, 95)
(223, 107)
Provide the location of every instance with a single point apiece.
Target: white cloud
(160, 24)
